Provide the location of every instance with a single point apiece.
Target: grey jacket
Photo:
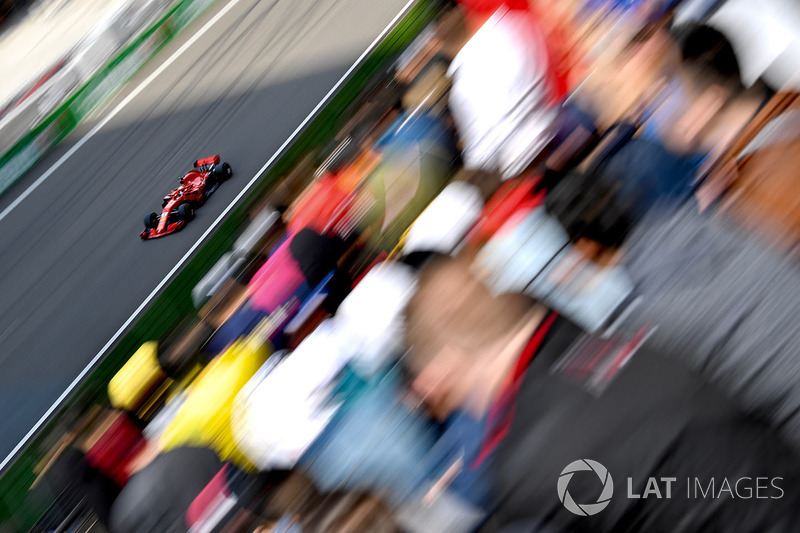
(727, 304)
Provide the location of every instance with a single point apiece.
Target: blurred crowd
(556, 248)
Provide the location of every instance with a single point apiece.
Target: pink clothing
(212, 496)
(276, 281)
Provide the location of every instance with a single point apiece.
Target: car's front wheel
(150, 220)
(186, 212)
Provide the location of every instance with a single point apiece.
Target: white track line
(114, 112)
(214, 224)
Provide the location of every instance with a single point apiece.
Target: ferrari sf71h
(179, 206)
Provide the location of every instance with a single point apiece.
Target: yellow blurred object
(141, 373)
(205, 417)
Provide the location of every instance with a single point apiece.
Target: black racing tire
(223, 172)
(150, 220)
(186, 212)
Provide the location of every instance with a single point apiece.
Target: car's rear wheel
(186, 212)
(223, 172)
(150, 220)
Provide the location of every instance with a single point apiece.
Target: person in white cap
(446, 221)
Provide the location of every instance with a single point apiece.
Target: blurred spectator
(699, 111)
(204, 418)
(115, 446)
(344, 417)
(625, 73)
(71, 472)
(571, 396)
(155, 500)
(757, 174)
(184, 348)
(374, 441)
(533, 254)
(232, 495)
(402, 171)
(454, 459)
(445, 222)
(417, 156)
(500, 98)
(721, 299)
(297, 506)
(566, 52)
(719, 106)
(332, 389)
(727, 301)
(524, 249)
(325, 202)
(648, 175)
(513, 198)
(295, 267)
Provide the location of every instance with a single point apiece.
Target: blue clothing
(523, 259)
(571, 116)
(462, 437)
(410, 129)
(373, 443)
(647, 174)
(242, 322)
(626, 5)
(287, 525)
(245, 320)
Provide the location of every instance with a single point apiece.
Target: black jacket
(652, 418)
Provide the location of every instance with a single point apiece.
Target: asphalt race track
(73, 268)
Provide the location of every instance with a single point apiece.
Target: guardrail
(18, 510)
(32, 146)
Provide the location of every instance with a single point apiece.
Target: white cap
(445, 222)
(369, 322)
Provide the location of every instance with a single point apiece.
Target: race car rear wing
(206, 163)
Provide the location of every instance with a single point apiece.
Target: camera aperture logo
(697, 488)
(585, 509)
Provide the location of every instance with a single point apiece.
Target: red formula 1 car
(179, 205)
